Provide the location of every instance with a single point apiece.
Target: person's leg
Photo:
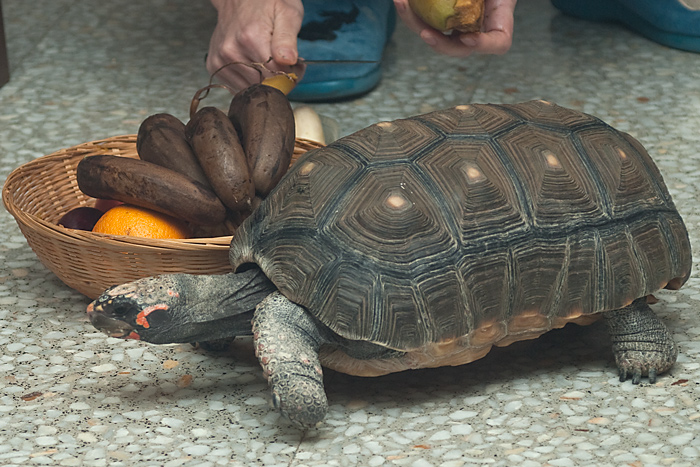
(674, 23)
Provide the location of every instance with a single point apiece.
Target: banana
(149, 185)
(307, 124)
(161, 140)
(218, 149)
(265, 122)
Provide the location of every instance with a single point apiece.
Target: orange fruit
(136, 221)
(285, 82)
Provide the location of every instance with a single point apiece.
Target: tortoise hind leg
(287, 340)
(642, 344)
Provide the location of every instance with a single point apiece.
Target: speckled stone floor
(82, 70)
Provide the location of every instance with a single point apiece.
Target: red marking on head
(141, 318)
(142, 321)
(173, 293)
(133, 336)
(91, 307)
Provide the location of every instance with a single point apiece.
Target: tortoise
(425, 241)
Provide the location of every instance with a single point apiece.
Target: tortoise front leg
(642, 344)
(287, 340)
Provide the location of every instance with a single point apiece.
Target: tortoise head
(181, 307)
(146, 309)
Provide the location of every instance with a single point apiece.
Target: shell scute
(476, 121)
(486, 281)
(545, 113)
(369, 226)
(548, 258)
(473, 184)
(397, 140)
(626, 174)
(555, 179)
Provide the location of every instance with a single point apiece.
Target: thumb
(283, 44)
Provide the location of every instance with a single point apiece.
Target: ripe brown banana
(161, 140)
(265, 122)
(216, 145)
(149, 185)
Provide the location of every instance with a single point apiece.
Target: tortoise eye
(118, 309)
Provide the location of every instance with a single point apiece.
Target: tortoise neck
(213, 307)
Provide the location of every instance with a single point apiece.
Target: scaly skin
(287, 340)
(181, 307)
(642, 344)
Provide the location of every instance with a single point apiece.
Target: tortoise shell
(467, 227)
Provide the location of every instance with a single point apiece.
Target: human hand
(252, 31)
(496, 36)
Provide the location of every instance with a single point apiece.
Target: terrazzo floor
(83, 70)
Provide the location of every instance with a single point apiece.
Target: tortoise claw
(637, 373)
(623, 375)
(652, 375)
(637, 376)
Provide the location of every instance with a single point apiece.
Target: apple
(105, 205)
(81, 218)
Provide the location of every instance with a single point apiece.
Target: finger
(286, 25)
(234, 75)
(246, 46)
(495, 40)
(450, 45)
(413, 22)
(498, 27)
(254, 42)
(492, 42)
(498, 15)
(445, 44)
(298, 69)
(235, 79)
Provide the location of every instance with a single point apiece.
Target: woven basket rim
(81, 150)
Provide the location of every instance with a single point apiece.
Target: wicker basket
(38, 193)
